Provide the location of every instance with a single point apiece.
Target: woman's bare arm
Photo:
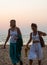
(29, 39)
(42, 33)
(8, 36)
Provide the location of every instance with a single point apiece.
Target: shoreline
(23, 45)
(8, 43)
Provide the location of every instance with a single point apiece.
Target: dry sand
(5, 59)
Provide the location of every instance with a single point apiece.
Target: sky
(24, 12)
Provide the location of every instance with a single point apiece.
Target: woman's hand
(27, 46)
(4, 46)
(26, 50)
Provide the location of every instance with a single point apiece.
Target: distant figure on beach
(16, 43)
(35, 52)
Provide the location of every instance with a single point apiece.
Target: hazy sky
(24, 11)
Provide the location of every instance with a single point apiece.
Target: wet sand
(5, 59)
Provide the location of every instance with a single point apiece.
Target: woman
(35, 49)
(16, 42)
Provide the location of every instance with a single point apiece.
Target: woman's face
(12, 24)
(34, 29)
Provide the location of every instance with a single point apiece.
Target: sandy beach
(5, 59)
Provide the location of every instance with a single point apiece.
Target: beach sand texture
(5, 59)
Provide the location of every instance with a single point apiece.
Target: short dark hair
(34, 25)
(13, 20)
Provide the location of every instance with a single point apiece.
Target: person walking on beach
(35, 52)
(16, 43)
